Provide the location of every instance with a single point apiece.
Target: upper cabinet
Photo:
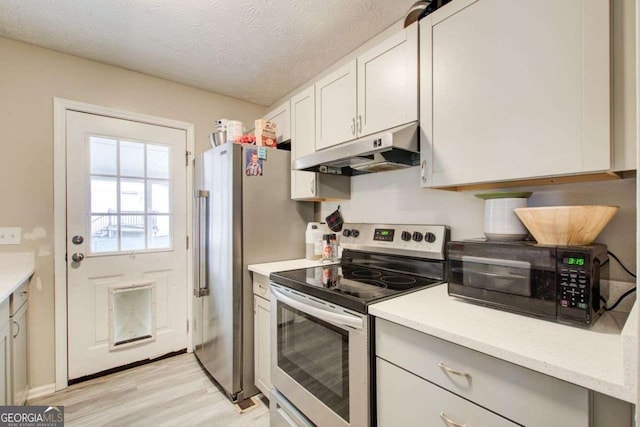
(376, 91)
(303, 136)
(311, 186)
(514, 90)
(336, 107)
(281, 116)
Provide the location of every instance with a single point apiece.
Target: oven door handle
(329, 316)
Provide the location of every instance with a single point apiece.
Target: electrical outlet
(10, 235)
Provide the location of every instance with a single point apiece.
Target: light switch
(10, 235)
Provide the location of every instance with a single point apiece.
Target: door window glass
(130, 194)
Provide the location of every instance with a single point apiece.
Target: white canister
(500, 220)
(313, 240)
(235, 129)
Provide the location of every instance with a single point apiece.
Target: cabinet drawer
(406, 400)
(19, 297)
(520, 394)
(261, 286)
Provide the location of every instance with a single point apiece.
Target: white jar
(313, 240)
(500, 221)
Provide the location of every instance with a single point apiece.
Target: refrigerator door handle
(203, 248)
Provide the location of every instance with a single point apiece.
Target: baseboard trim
(43, 390)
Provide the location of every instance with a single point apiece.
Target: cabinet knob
(18, 331)
(312, 186)
(353, 126)
(359, 124)
(423, 171)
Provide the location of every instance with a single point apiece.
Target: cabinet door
(5, 364)
(303, 142)
(404, 399)
(281, 117)
(513, 90)
(262, 357)
(388, 83)
(19, 365)
(336, 107)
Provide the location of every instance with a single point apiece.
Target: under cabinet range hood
(395, 148)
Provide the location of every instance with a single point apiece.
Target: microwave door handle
(335, 318)
(203, 247)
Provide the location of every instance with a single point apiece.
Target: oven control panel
(418, 240)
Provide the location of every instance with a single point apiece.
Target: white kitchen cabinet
(459, 382)
(336, 107)
(305, 185)
(261, 331)
(281, 116)
(510, 391)
(376, 91)
(514, 91)
(19, 309)
(303, 137)
(388, 83)
(5, 355)
(407, 400)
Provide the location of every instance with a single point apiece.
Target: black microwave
(560, 283)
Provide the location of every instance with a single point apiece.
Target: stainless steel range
(321, 347)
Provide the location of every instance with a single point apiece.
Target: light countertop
(602, 358)
(271, 267)
(15, 268)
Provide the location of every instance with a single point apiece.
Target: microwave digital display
(573, 261)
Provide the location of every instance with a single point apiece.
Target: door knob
(77, 240)
(77, 257)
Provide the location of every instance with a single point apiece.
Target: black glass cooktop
(353, 285)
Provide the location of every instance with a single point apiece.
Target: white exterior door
(126, 242)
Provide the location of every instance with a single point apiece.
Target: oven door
(319, 358)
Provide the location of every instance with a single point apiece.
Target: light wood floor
(170, 392)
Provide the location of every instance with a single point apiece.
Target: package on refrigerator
(266, 133)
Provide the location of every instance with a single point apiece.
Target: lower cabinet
(14, 357)
(5, 355)
(452, 385)
(19, 355)
(425, 404)
(261, 331)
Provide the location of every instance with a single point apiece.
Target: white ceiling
(255, 50)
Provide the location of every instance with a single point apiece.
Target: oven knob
(346, 232)
(429, 237)
(355, 233)
(406, 236)
(417, 236)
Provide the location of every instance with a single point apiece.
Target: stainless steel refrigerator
(243, 215)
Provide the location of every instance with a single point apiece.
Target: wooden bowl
(566, 225)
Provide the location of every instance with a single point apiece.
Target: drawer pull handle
(454, 371)
(450, 422)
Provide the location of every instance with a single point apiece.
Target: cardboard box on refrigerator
(266, 133)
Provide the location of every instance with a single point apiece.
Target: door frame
(60, 108)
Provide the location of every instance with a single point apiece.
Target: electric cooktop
(379, 261)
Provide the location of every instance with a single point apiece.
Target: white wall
(396, 197)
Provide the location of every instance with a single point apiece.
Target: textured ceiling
(256, 50)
